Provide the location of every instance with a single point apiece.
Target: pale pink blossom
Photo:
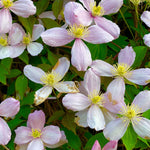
(35, 136)
(89, 103)
(8, 108)
(112, 145)
(116, 128)
(50, 80)
(23, 8)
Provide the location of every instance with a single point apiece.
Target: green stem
(5, 147)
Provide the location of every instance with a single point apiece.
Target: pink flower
(112, 145)
(8, 108)
(35, 136)
(115, 129)
(123, 69)
(23, 8)
(90, 103)
(50, 80)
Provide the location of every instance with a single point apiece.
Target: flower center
(26, 39)
(3, 41)
(36, 133)
(96, 10)
(121, 69)
(78, 31)
(51, 78)
(136, 2)
(7, 3)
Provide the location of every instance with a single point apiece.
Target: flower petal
(23, 135)
(33, 73)
(111, 6)
(23, 8)
(56, 37)
(139, 76)
(9, 107)
(76, 102)
(146, 39)
(96, 146)
(34, 48)
(74, 13)
(142, 100)
(5, 20)
(51, 135)
(36, 144)
(5, 133)
(42, 94)
(108, 26)
(97, 35)
(38, 29)
(62, 66)
(115, 129)
(145, 17)
(87, 3)
(6, 51)
(80, 55)
(102, 68)
(126, 56)
(112, 145)
(95, 118)
(36, 120)
(66, 87)
(47, 14)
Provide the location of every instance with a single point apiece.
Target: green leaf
(130, 138)
(21, 85)
(24, 57)
(4, 72)
(57, 7)
(29, 99)
(14, 73)
(7, 62)
(52, 58)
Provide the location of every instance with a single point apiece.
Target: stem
(5, 147)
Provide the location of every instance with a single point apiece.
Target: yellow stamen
(26, 39)
(7, 3)
(51, 78)
(36, 133)
(3, 41)
(78, 31)
(96, 10)
(136, 2)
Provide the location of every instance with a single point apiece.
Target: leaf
(21, 85)
(130, 138)
(57, 7)
(28, 100)
(52, 58)
(14, 73)
(7, 62)
(24, 57)
(4, 72)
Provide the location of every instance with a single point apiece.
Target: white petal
(6, 52)
(42, 94)
(95, 118)
(47, 14)
(38, 29)
(35, 48)
(146, 39)
(36, 144)
(145, 17)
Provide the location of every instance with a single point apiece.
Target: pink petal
(23, 135)
(96, 146)
(51, 135)
(38, 29)
(16, 34)
(23, 8)
(80, 55)
(112, 145)
(98, 35)
(115, 129)
(33, 73)
(6, 51)
(34, 48)
(47, 14)
(75, 14)
(111, 6)
(36, 144)
(102, 68)
(36, 120)
(9, 107)
(126, 56)
(56, 37)
(82, 88)
(5, 133)
(145, 17)
(139, 76)
(76, 102)
(87, 3)
(91, 81)
(146, 39)
(142, 101)
(95, 118)
(108, 26)
(5, 20)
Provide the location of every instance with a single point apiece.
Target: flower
(36, 136)
(50, 80)
(90, 103)
(8, 108)
(112, 145)
(123, 69)
(115, 129)
(23, 8)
